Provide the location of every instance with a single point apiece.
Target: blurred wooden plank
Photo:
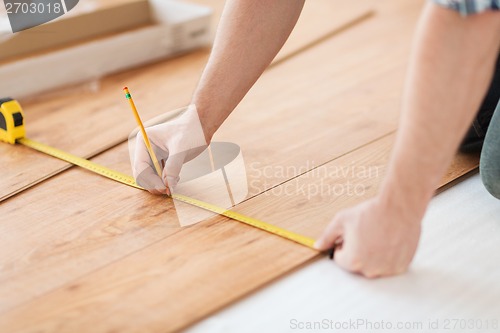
(83, 115)
(463, 165)
(322, 13)
(319, 18)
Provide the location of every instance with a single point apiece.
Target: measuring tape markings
(130, 181)
(81, 162)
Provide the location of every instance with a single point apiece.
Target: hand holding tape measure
(12, 130)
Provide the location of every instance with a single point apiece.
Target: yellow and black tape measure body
(12, 131)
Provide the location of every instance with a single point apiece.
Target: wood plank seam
(223, 220)
(321, 165)
(324, 38)
(58, 171)
(283, 60)
(154, 282)
(466, 175)
(262, 286)
(65, 285)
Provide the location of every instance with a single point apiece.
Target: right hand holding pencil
(174, 143)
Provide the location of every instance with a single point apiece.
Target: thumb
(142, 167)
(330, 236)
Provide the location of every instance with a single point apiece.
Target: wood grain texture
(353, 125)
(101, 118)
(462, 166)
(102, 246)
(125, 256)
(82, 253)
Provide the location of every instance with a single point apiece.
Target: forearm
(250, 34)
(450, 70)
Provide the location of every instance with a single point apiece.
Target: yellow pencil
(143, 131)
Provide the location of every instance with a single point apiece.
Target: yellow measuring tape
(128, 180)
(12, 130)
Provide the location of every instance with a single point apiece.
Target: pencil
(143, 131)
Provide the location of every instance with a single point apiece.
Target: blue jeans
(484, 136)
(489, 165)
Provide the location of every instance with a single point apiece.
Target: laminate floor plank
(101, 118)
(98, 252)
(360, 116)
(80, 252)
(164, 276)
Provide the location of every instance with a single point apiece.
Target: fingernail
(318, 245)
(160, 190)
(168, 192)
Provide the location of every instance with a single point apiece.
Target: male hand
(373, 239)
(174, 143)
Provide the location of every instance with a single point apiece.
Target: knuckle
(401, 270)
(371, 274)
(354, 264)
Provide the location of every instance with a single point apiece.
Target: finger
(384, 271)
(372, 275)
(144, 172)
(402, 263)
(347, 259)
(157, 192)
(142, 160)
(388, 263)
(347, 256)
(151, 181)
(172, 169)
(330, 236)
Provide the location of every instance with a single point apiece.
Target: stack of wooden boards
(98, 38)
(94, 18)
(81, 253)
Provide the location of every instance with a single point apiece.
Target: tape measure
(12, 131)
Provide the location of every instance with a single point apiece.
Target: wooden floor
(81, 253)
(437, 286)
